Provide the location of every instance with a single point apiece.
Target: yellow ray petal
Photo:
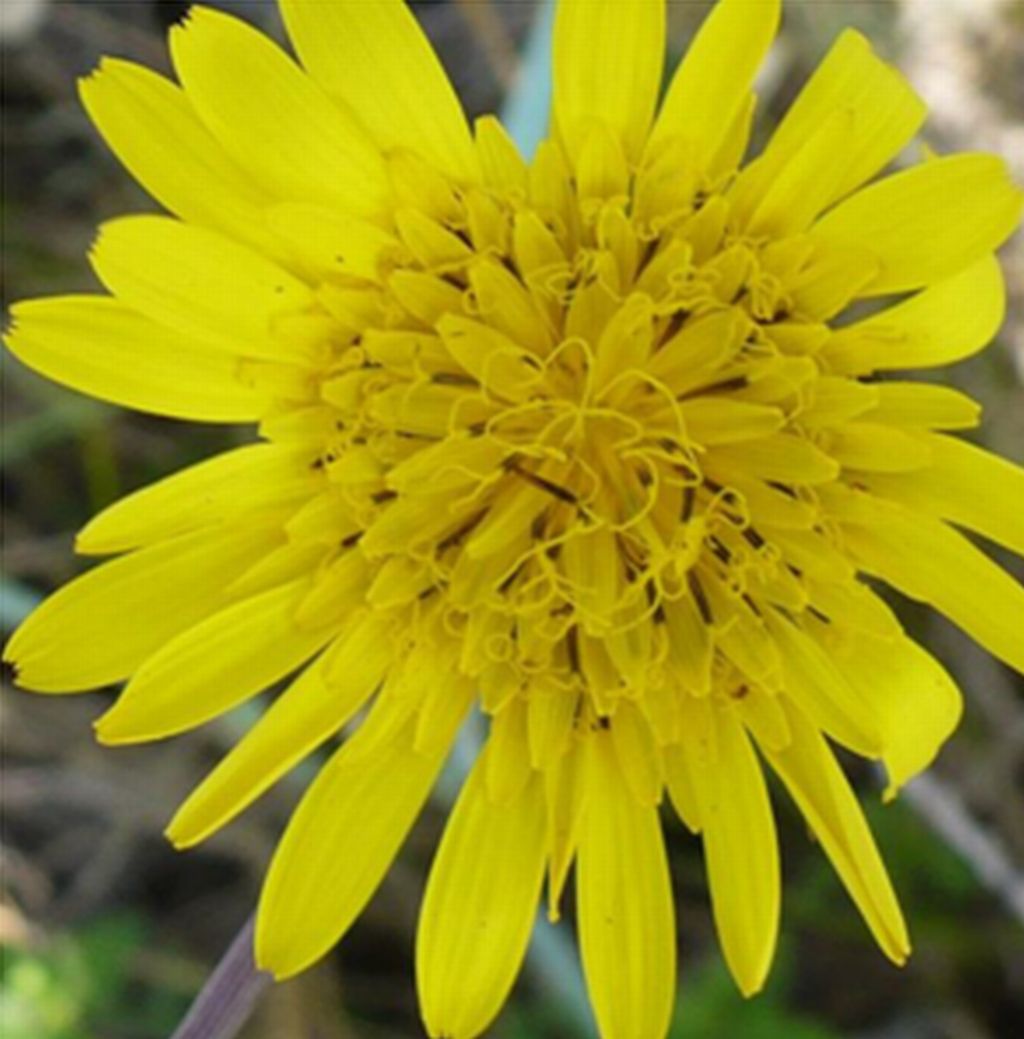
(807, 181)
(302, 717)
(626, 915)
(329, 242)
(213, 666)
(965, 485)
(822, 692)
(721, 420)
(285, 563)
(919, 405)
(152, 128)
(443, 706)
(501, 161)
(200, 284)
(808, 769)
(98, 346)
(99, 628)
(258, 476)
(375, 60)
(690, 646)
(550, 718)
(711, 87)
(637, 754)
(566, 792)
(509, 766)
(608, 57)
(917, 703)
(928, 561)
(679, 779)
(831, 280)
(780, 457)
(947, 322)
(274, 120)
(336, 849)
(874, 447)
(741, 853)
(880, 111)
(929, 222)
(479, 906)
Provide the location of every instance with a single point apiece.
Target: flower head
(586, 440)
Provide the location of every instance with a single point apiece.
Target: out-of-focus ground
(107, 933)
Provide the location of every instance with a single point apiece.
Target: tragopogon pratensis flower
(585, 441)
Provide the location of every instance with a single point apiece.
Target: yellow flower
(579, 440)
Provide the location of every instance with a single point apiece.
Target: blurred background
(107, 933)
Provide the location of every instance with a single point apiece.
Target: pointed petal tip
(179, 835)
(10, 653)
(274, 959)
(750, 988)
(117, 728)
(752, 976)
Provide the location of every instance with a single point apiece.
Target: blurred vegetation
(107, 933)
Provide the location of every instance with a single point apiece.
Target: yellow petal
(887, 112)
(926, 560)
(99, 628)
(637, 754)
(720, 420)
(822, 692)
(152, 128)
(929, 222)
(880, 109)
(808, 769)
(329, 242)
(924, 406)
(98, 346)
(690, 647)
(566, 792)
(807, 181)
(243, 480)
(502, 163)
(200, 284)
(835, 400)
(285, 563)
(443, 706)
(479, 906)
(500, 365)
(430, 242)
(831, 280)
(308, 712)
(876, 448)
(779, 458)
(508, 767)
(947, 322)
(608, 58)
(213, 666)
(509, 307)
(626, 915)
(337, 848)
(682, 789)
(965, 485)
(741, 853)
(917, 703)
(711, 87)
(763, 715)
(274, 120)
(550, 718)
(375, 60)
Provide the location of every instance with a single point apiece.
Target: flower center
(564, 412)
